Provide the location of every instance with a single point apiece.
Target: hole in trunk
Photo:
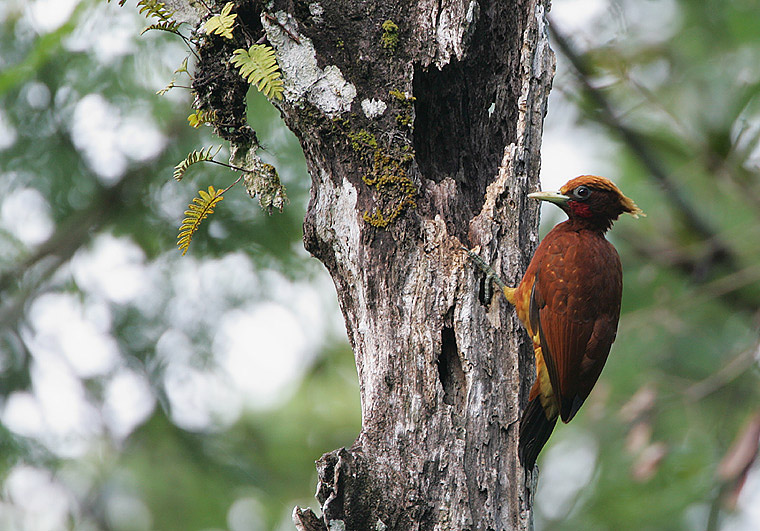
(450, 370)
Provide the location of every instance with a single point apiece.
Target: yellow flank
(522, 307)
(509, 293)
(547, 397)
(546, 392)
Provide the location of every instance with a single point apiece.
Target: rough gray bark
(419, 140)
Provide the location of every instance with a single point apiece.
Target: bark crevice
(450, 370)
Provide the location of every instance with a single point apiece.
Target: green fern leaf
(259, 67)
(192, 158)
(155, 9)
(166, 89)
(173, 83)
(165, 25)
(200, 117)
(222, 24)
(182, 67)
(197, 211)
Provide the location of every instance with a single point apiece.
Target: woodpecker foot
(491, 275)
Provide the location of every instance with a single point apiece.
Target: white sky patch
(112, 268)
(26, 215)
(574, 16)
(63, 327)
(567, 148)
(127, 512)
(568, 467)
(22, 414)
(263, 350)
(124, 26)
(128, 402)
(174, 347)
(44, 504)
(8, 134)
(108, 141)
(139, 138)
(37, 95)
(71, 422)
(246, 513)
(304, 300)
(208, 284)
(49, 15)
(748, 514)
(200, 399)
(94, 132)
(569, 151)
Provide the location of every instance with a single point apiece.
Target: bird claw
(491, 276)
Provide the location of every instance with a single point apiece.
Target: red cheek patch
(582, 210)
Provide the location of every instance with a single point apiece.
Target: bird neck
(596, 224)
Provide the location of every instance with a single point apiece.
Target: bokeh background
(140, 389)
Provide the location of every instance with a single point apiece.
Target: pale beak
(553, 197)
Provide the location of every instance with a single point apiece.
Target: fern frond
(201, 207)
(165, 25)
(166, 89)
(194, 157)
(200, 117)
(182, 68)
(223, 23)
(258, 66)
(156, 9)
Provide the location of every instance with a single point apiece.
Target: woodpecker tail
(535, 430)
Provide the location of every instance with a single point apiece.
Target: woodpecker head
(591, 200)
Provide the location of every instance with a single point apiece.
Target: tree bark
(421, 123)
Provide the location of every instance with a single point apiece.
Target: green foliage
(159, 11)
(200, 117)
(182, 69)
(390, 36)
(362, 139)
(395, 189)
(258, 65)
(155, 9)
(194, 157)
(201, 207)
(222, 24)
(165, 25)
(387, 174)
(406, 103)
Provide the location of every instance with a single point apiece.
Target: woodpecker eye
(582, 192)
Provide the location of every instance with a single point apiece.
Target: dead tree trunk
(421, 124)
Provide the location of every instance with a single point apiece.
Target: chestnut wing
(575, 306)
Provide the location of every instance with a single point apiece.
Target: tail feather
(535, 430)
